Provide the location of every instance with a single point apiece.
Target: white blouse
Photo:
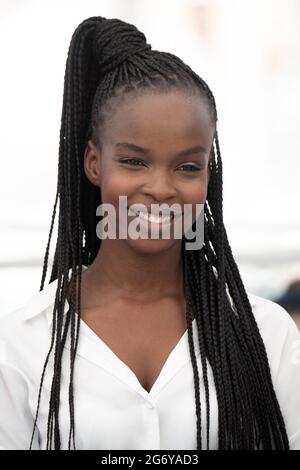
(112, 409)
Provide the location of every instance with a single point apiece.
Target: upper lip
(162, 212)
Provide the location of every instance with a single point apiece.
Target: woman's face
(154, 149)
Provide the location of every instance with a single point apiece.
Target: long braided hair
(107, 59)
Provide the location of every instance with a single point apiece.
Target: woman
(141, 343)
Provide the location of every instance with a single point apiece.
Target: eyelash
(126, 160)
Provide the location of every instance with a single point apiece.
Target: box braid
(109, 59)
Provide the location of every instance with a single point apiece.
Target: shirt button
(149, 405)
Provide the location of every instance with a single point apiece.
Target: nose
(160, 188)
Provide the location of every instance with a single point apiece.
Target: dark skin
(132, 295)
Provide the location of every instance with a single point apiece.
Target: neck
(119, 271)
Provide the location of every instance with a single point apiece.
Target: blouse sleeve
(16, 420)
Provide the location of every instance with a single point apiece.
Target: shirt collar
(43, 301)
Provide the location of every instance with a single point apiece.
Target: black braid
(107, 60)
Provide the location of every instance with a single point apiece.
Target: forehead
(171, 118)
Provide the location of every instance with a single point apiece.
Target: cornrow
(108, 60)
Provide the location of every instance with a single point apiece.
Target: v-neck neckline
(93, 348)
(121, 365)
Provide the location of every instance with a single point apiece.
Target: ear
(92, 163)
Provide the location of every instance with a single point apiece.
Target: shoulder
(280, 335)
(270, 316)
(274, 322)
(282, 342)
(33, 308)
(24, 332)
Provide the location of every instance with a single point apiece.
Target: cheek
(196, 191)
(113, 185)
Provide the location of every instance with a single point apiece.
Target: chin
(150, 246)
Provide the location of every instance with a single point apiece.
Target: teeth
(154, 219)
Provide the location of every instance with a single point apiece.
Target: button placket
(152, 419)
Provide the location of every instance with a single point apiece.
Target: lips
(161, 214)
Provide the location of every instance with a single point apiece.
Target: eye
(189, 168)
(132, 161)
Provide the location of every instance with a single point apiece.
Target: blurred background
(248, 53)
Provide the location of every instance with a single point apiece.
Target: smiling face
(154, 148)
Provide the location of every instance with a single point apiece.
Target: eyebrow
(183, 153)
